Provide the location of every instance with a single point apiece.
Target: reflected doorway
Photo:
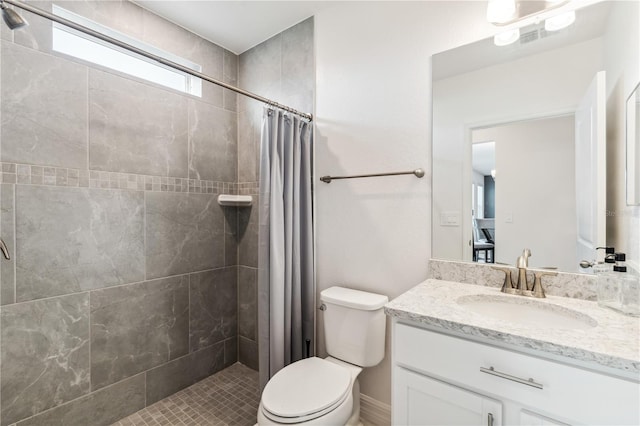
(483, 162)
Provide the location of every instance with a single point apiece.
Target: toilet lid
(305, 387)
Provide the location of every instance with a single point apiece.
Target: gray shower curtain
(286, 287)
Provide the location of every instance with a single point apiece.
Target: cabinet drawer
(572, 393)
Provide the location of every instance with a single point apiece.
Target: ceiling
(483, 157)
(235, 25)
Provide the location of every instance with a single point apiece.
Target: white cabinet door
(528, 418)
(421, 400)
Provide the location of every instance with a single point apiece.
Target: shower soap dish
(235, 200)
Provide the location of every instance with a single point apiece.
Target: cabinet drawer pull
(490, 420)
(528, 382)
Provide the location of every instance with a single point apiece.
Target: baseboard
(374, 412)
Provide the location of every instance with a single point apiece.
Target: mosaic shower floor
(229, 397)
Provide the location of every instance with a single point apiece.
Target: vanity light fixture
(504, 13)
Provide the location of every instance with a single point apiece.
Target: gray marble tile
(35, 130)
(213, 307)
(248, 222)
(260, 70)
(230, 75)
(213, 143)
(45, 355)
(7, 227)
(136, 327)
(38, 34)
(184, 233)
(120, 15)
(247, 302)
(75, 239)
(249, 128)
(183, 372)
(230, 351)
(211, 57)
(103, 407)
(136, 128)
(230, 236)
(169, 37)
(248, 353)
(298, 81)
(177, 40)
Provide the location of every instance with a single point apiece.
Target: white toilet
(316, 391)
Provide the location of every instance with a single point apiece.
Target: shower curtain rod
(89, 31)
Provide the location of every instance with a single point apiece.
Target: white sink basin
(526, 312)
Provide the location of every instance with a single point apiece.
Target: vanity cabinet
(440, 379)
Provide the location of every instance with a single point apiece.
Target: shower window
(85, 47)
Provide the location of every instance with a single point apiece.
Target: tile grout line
(15, 245)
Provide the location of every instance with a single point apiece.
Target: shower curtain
(286, 287)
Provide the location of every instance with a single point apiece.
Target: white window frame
(67, 41)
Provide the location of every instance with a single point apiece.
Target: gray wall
(281, 68)
(122, 288)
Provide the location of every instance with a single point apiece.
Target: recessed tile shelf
(235, 200)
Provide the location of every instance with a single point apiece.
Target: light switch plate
(450, 218)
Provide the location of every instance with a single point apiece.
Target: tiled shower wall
(281, 68)
(122, 287)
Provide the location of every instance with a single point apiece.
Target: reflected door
(591, 169)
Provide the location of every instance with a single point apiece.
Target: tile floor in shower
(229, 397)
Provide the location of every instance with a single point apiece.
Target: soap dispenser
(629, 287)
(608, 289)
(606, 265)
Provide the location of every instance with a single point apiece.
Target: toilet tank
(354, 325)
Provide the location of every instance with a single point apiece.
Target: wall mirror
(633, 147)
(507, 173)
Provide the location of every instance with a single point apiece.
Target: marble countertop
(613, 342)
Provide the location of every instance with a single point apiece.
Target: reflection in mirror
(483, 164)
(524, 98)
(535, 195)
(633, 147)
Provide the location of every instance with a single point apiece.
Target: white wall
(373, 114)
(535, 187)
(622, 55)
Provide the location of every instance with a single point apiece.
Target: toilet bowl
(313, 391)
(317, 391)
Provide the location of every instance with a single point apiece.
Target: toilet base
(354, 420)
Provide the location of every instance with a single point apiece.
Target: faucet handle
(507, 286)
(538, 290)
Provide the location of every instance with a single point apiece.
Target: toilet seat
(305, 390)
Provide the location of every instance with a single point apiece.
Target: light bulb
(500, 10)
(560, 21)
(506, 37)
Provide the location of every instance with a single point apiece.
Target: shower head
(11, 17)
